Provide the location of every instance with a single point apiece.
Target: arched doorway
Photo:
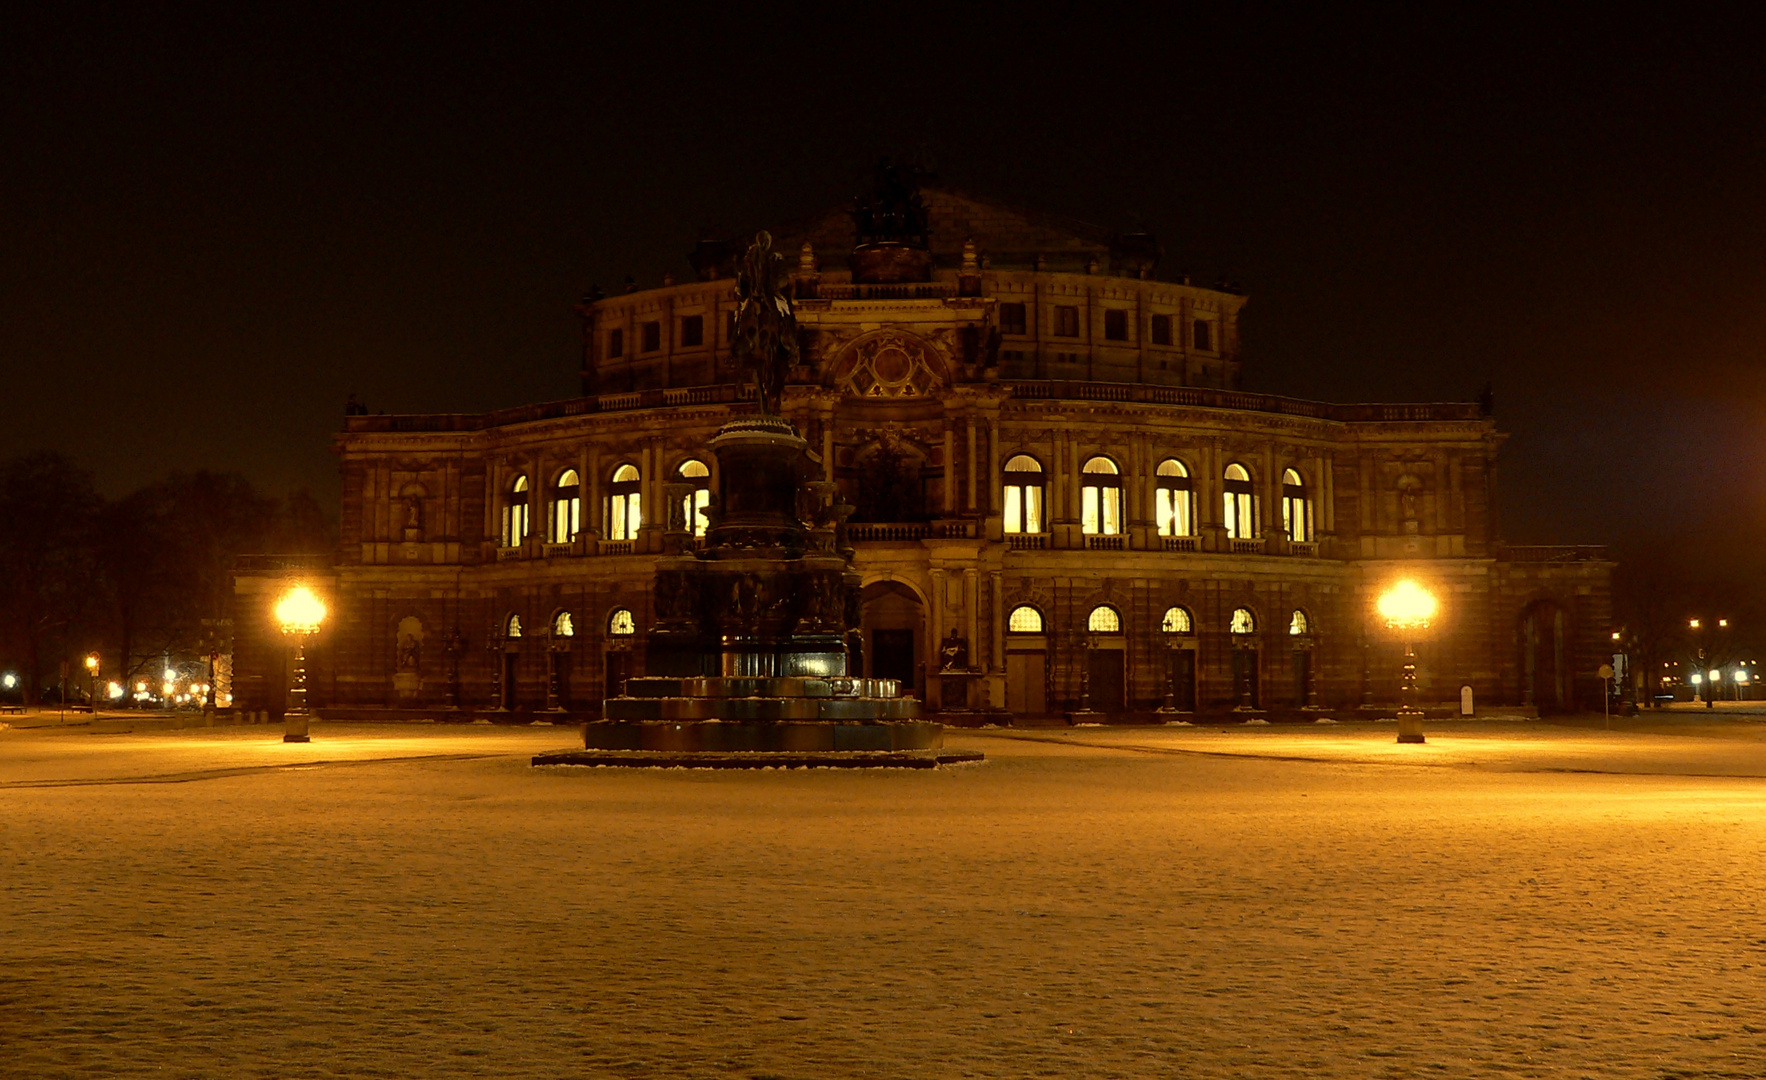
(1026, 662)
(894, 626)
(1543, 672)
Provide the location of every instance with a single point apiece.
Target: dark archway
(1544, 665)
(895, 632)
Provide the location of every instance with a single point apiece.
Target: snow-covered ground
(1507, 900)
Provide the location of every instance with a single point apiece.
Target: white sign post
(1606, 696)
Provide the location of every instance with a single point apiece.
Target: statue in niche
(765, 343)
(1408, 486)
(413, 518)
(954, 653)
(409, 644)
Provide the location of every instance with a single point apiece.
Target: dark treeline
(132, 579)
(1662, 589)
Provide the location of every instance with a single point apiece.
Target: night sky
(218, 224)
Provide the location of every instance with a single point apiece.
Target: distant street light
(92, 664)
(300, 613)
(1407, 607)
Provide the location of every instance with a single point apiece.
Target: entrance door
(619, 669)
(1302, 675)
(561, 679)
(1183, 679)
(892, 656)
(1025, 686)
(1106, 680)
(511, 664)
(1245, 689)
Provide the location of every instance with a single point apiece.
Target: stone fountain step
(757, 736)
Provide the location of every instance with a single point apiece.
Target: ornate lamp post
(1407, 607)
(300, 613)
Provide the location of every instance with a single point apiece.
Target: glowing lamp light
(1741, 676)
(1722, 622)
(1716, 676)
(114, 691)
(1697, 678)
(141, 687)
(169, 674)
(1694, 623)
(92, 662)
(299, 611)
(1407, 605)
(8, 680)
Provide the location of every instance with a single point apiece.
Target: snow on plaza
(1510, 899)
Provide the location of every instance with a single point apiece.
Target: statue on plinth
(765, 343)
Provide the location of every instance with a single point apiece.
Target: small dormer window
(1066, 321)
(652, 336)
(1012, 320)
(1204, 335)
(1161, 330)
(692, 331)
(615, 343)
(1115, 324)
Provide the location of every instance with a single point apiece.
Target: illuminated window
(624, 512)
(652, 336)
(1296, 508)
(515, 513)
(1243, 621)
(1174, 499)
(1241, 521)
(1104, 619)
(697, 501)
(567, 508)
(1204, 335)
(512, 626)
(1012, 319)
(1161, 329)
(692, 331)
(621, 623)
(1024, 620)
(1298, 625)
(1066, 321)
(1178, 621)
(562, 626)
(1100, 498)
(1115, 324)
(1024, 484)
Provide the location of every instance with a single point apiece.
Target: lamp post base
(294, 727)
(1410, 726)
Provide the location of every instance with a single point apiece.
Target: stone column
(996, 658)
(969, 503)
(950, 468)
(935, 629)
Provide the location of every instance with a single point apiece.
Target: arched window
(1240, 517)
(567, 508)
(1296, 508)
(1024, 620)
(1104, 619)
(1178, 621)
(698, 500)
(621, 623)
(515, 513)
(1243, 621)
(1100, 498)
(512, 626)
(1297, 623)
(1023, 494)
(624, 512)
(1173, 497)
(562, 625)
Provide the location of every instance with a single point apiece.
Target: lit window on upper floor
(1296, 508)
(1298, 625)
(1023, 494)
(1173, 499)
(1243, 622)
(652, 336)
(697, 501)
(1100, 502)
(1161, 330)
(567, 508)
(515, 510)
(1177, 621)
(624, 513)
(1012, 319)
(692, 331)
(1115, 324)
(1104, 619)
(1066, 321)
(1204, 335)
(621, 623)
(1240, 508)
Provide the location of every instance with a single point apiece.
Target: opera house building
(1062, 503)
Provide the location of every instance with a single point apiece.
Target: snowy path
(1157, 902)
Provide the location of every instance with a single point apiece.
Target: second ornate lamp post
(1407, 607)
(300, 613)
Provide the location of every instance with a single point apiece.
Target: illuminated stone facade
(1063, 502)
